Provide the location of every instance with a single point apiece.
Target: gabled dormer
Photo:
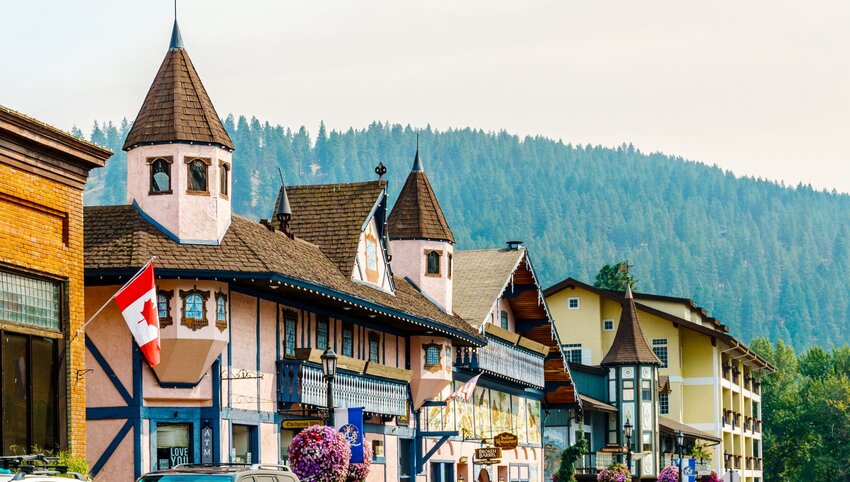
(347, 221)
(179, 155)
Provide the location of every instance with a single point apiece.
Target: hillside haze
(766, 259)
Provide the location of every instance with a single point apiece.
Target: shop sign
(206, 445)
(488, 454)
(299, 424)
(505, 441)
(613, 449)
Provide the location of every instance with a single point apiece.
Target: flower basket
(669, 474)
(359, 471)
(614, 473)
(319, 454)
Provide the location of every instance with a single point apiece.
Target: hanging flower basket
(614, 473)
(320, 454)
(359, 471)
(669, 474)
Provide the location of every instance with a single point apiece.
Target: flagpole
(82, 329)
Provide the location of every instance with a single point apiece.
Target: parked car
(223, 473)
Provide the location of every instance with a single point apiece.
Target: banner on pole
(349, 422)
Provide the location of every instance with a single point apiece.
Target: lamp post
(329, 370)
(680, 442)
(627, 431)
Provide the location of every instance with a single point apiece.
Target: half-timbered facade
(246, 308)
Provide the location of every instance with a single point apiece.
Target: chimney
(514, 245)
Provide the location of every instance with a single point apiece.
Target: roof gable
(332, 216)
(480, 277)
(177, 107)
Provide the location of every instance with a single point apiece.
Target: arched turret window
(160, 176)
(432, 263)
(198, 170)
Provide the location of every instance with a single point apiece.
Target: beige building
(708, 383)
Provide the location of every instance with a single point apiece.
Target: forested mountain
(767, 259)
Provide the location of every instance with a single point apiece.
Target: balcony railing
(757, 463)
(303, 382)
(508, 361)
(593, 462)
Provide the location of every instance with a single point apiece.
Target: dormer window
(432, 355)
(223, 178)
(198, 174)
(194, 309)
(432, 261)
(160, 181)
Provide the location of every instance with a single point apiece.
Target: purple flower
(319, 454)
(669, 474)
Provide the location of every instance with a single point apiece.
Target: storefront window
(243, 451)
(29, 394)
(482, 413)
(173, 444)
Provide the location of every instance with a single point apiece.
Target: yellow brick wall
(41, 229)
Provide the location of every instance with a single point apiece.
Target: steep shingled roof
(177, 107)
(417, 213)
(479, 278)
(331, 216)
(119, 238)
(630, 346)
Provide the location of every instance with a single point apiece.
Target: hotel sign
(488, 454)
(505, 441)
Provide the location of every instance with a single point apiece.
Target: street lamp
(680, 442)
(329, 370)
(627, 431)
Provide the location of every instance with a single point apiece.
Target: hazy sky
(759, 87)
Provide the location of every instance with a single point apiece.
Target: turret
(633, 378)
(179, 155)
(422, 242)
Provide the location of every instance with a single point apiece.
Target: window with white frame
(664, 403)
(659, 346)
(572, 352)
(607, 325)
(573, 303)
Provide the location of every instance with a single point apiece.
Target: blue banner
(688, 467)
(349, 422)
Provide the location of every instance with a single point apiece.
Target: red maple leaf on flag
(149, 313)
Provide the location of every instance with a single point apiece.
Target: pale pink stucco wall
(391, 456)
(99, 434)
(269, 437)
(244, 350)
(189, 217)
(426, 383)
(409, 261)
(268, 354)
(110, 335)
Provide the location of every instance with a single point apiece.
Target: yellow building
(708, 383)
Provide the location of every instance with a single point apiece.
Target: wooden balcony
(302, 381)
(514, 361)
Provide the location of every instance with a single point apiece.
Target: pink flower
(319, 454)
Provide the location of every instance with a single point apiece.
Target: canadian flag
(137, 301)
(465, 391)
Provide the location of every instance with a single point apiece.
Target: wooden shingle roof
(630, 346)
(479, 278)
(177, 107)
(331, 216)
(417, 213)
(119, 238)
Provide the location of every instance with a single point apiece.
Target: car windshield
(186, 478)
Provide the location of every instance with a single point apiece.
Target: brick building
(42, 366)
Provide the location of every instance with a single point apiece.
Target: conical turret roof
(177, 107)
(417, 213)
(630, 346)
